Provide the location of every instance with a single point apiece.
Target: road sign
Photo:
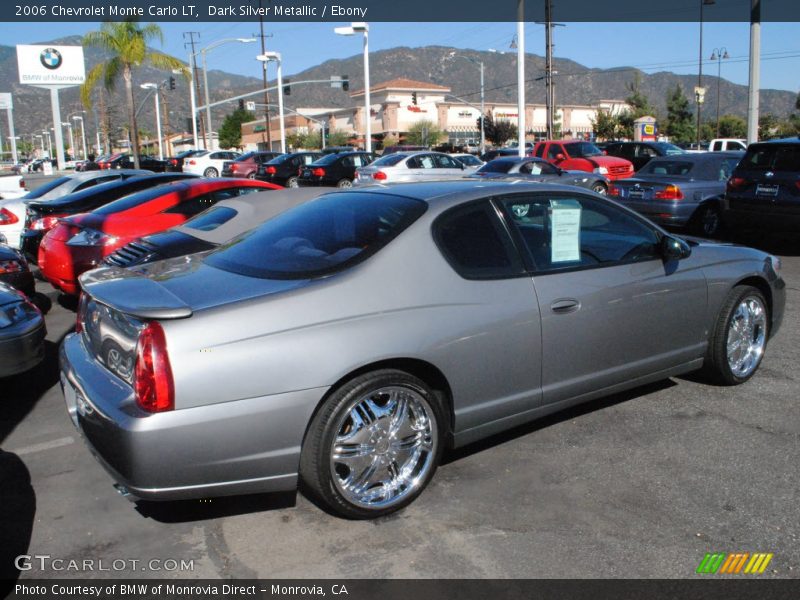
(251, 106)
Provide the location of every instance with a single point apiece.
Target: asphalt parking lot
(641, 484)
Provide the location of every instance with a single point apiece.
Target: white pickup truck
(12, 186)
(726, 144)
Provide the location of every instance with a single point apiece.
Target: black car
(175, 163)
(41, 217)
(125, 161)
(14, 270)
(640, 153)
(338, 149)
(334, 169)
(284, 169)
(764, 189)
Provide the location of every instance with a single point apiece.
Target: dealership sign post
(7, 103)
(52, 67)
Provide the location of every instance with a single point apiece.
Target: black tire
(716, 367)
(344, 183)
(292, 182)
(707, 221)
(316, 461)
(600, 188)
(251, 176)
(211, 172)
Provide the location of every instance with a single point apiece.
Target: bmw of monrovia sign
(57, 66)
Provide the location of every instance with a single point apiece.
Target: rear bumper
(764, 218)
(669, 214)
(316, 182)
(22, 348)
(22, 281)
(244, 446)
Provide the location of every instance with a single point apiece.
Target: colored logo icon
(51, 58)
(722, 563)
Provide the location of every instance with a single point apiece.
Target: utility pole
(755, 71)
(164, 101)
(548, 68)
(195, 80)
(267, 135)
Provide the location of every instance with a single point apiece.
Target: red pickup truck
(583, 156)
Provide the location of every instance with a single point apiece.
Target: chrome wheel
(709, 221)
(747, 336)
(599, 188)
(384, 447)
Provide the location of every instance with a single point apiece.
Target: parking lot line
(33, 448)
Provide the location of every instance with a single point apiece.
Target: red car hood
(609, 161)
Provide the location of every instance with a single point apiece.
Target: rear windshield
(43, 189)
(389, 161)
(776, 157)
(245, 157)
(320, 237)
(327, 159)
(666, 167)
(133, 200)
(497, 166)
(211, 219)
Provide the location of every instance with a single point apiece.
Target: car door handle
(565, 305)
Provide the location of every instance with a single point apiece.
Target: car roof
(791, 140)
(252, 210)
(698, 156)
(515, 158)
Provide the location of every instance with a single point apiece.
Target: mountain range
(575, 84)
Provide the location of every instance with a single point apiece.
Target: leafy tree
(230, 132)
(498, 132)
(708, 130)
(797, 101)
(337, 137)
(640, 107)
(126, 42)
(731, 126)
(767, 126)
(605, 125)
(390, 139)
(423, 133)
(679, 125)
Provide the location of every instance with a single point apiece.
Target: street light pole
(700, 92)
(351, 30)
(521, 77)
(154, 87)
(83, 132)
(203, 52)
(68, 125)
(479, 63)
(276, 56)
(718, 54)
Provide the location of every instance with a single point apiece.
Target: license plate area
(636, 194)
(306, 173)
(770, 190)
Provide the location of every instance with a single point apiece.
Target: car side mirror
(559, 156)
(605, 152)
(673, 248)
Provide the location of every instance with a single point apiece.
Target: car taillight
(736, 182)
(22, 183)
(46, 223)
(271, 170)
(152, 377)
(11, 266)
(612, 190)
(190, 162)
(671, 192)
(174, 162)
(379, 175)
(81, 316)
(318, 172)
(7, 217)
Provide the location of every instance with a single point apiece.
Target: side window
(540, 150)
(445, 162)
(216, 156)
(194, 206)
(426, 161)
(349, 161)
(545, 168)
(646, 151)
(473, 241)
(788, 159)
(87, 184)
(248, 190)
(308, 159)
(414, 162)
(528, 169)
(716, 146)
(553, 151)
(567, 232)
(727, 167)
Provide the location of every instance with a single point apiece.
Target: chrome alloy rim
(747, 336)
(384, 447)
(710, 222)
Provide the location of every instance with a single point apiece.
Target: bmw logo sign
(51, 58)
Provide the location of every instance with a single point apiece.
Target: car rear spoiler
(133, 294)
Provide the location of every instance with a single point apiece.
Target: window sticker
(565, 231)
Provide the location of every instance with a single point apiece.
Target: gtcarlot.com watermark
(46, 562)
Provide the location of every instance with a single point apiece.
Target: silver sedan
(350, 340)
(403, 167)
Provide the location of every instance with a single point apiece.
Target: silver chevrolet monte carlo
(350, 340)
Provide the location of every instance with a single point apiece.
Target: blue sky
(650, 46)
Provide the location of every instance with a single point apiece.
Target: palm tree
(127, 44)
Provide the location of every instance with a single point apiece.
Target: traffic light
(345, 83)
(241, 104)
(287, 89)
(414, 98)
(172, 83)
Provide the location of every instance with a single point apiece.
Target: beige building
(399, 103)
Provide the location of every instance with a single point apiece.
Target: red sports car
(80, 242)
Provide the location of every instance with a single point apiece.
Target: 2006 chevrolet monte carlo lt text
(350, 340)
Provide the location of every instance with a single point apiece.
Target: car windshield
(211, 219)
(389, 161)
(327, 159)
(670, 149)
(244, 157)
(43, 189)
(320, 237)
(667, 167)
(133, 200)
(497, 166)
(582, 150)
